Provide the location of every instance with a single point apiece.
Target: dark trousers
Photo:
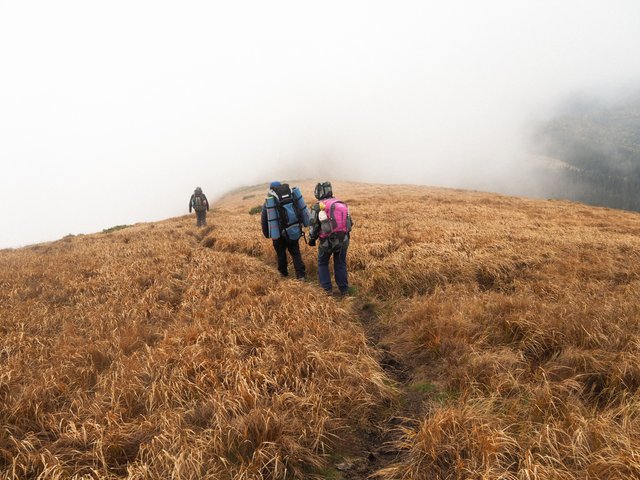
(339, 269)
(281, 246)
(201, 217)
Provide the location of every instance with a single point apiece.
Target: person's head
(323, 190)
(198, 191)
(274, 184)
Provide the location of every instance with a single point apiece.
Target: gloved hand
(312, 242)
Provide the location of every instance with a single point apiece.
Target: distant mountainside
(601, 145)
(485, 337)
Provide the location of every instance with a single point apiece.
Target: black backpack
(289, 217)
(199, 203)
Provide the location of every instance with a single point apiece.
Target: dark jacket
(193, 196)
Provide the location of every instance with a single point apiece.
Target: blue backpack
(291, 211)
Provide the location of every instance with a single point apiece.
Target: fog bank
(111, 113)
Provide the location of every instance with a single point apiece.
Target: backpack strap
(298, 212)
(332, 217)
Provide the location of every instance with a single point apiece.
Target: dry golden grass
(143, 354)
(521, 317)
(163, 351)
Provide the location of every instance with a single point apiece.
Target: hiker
(331, 224)
(284, 214)
(200, 204)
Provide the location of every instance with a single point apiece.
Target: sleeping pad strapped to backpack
(286, 212)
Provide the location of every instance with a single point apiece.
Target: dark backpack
(289, 217)
(199, 203)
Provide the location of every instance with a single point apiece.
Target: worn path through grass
(511, 328)
(372, 448)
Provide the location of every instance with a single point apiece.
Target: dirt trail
(370, 450)
(375, 449)
(463, 294)
(378, 450)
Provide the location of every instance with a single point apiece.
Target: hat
(275, 184)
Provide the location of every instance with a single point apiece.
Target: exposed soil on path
(378, 449)
(367, 450)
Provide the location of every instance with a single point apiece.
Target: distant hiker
(330, 223)
(200, 204)
(284, 214)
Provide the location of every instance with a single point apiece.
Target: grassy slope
(142, 353)
(513, 326)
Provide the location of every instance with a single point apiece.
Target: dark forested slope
(600, 147)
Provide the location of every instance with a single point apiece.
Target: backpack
(288, 214)
(199, 203)
(335, 228)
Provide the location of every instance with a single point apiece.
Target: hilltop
(487, 337)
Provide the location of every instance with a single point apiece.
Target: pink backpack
(338, 221)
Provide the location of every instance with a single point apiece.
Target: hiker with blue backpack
(330, 224)
(200, 204)
(284, 215)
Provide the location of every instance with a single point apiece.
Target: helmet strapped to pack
(323, 190)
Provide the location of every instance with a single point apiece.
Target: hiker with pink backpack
(330, 225)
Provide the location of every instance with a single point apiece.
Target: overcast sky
(112, 112)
